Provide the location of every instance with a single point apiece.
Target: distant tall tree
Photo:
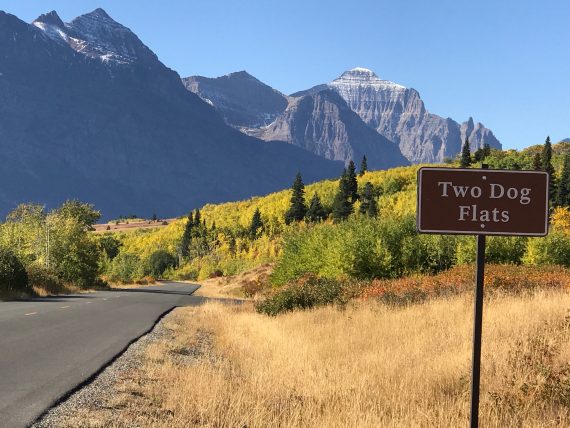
(466, 155)
(479, 155)
(186, 236)
(316, 211)
(563, 193)
(537, 162)
(363, 166)
(546, 161)
(256, 223)
(342, 204)
(197, 218)
(368, 203)
(298, 208)
(352, 182)
(486, 149)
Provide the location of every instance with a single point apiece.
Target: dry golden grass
(243, 285)
(367, 366)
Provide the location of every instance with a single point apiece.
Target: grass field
(369, 365)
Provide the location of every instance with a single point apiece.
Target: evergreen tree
(316, 211)
(342, 204)
(368, 204)
(486, 150)
(563, 194)
(197, 218)
(256, 223)
(352, 182)
(546, 161)
(536, 162)
(363, 166)
(479, 155)
(186, 236)
(298, 208)
(466, 155)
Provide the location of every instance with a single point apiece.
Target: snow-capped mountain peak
(98, 36)
(363, 76)
(52, 26)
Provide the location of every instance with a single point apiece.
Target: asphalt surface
(50, 346)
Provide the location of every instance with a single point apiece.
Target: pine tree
(368, 204)
(486, 150)
(479, 155)
(256, 223)
(563, 194)
(536, 162)
(197, 218)
(298, 208)
(363, 166)
(316, 211)
(546, 162)
(352, 182)
(466, 155)
(186, 236)
(342, 204)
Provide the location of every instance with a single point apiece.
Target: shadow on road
(142, 290)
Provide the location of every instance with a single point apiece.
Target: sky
(505, 63)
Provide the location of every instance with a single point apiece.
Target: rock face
(399, 114)
(322, 123)
(241, 99)
(87, 111)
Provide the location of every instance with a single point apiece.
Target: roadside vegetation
(371, 364)
(355, 319)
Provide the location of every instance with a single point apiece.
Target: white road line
(64, 307)
(31, 313)
(88, 303)
(104, 298)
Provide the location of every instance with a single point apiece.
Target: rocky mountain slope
(88, 111)
(322, 123)
(400, 115)
(241, 99)
(397, 113)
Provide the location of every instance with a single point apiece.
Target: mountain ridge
(124, 135)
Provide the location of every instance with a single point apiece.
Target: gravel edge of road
(88, 392)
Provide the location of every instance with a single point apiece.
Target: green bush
(498, 250)
(553, 249)
(39, 276)
(125, 268)
(13, 276)
(307, 292)
(364, 248)
(159, 261)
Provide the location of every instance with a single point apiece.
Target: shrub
(13, 276)
(307, 292)
(553, 249)
(125, 268)
(45, 279)
(159, 261)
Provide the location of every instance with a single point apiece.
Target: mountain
(322, 123)
(88, 111)
(241, 99)
(399, 114)
(565, 140)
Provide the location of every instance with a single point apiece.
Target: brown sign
(482, 202)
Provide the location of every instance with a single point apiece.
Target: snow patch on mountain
(359, 76)
(98, 36)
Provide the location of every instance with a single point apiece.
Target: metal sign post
(481, 202)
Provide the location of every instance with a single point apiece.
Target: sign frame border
(483, 232)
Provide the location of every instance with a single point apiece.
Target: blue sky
(506, 63)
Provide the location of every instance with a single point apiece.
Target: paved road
(49, 346)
